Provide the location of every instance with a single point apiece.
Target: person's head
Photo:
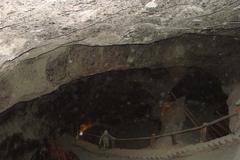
(105, 132)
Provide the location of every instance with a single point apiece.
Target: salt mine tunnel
(120, 80)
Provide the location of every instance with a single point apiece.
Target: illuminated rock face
(233, 103)
(173, 119)
(27, 24)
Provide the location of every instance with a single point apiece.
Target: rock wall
(233, 103)
(29, 24)
(47, 68)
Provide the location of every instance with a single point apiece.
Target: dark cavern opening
(128, 103)
(203, 100)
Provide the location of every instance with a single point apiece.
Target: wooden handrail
(208, 124)
(182, 131)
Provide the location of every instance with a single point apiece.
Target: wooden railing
(203, 131)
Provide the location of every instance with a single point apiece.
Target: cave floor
(86, 150)
(69, 143)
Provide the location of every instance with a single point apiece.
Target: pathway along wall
(28, 77)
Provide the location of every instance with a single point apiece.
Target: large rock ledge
(28, 24)
(30, 77)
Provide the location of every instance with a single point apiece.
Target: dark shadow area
(126, 103)
(205, 101)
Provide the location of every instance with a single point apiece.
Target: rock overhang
(38, 38)
(30, 77)
(29, 24)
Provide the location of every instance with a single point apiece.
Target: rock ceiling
(29, 24)
(36, 38)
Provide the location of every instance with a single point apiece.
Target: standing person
(105, 140)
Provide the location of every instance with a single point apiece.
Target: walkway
(160, 154)
(167, 153)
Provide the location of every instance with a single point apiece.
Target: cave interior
(129, 103)
(125, 102)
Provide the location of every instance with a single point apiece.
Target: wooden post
(173, 138)
(77, 136)
(153, 140)
(113, 139)
(204, 133)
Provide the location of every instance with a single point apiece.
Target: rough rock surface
(233, 103)
(28, 24)
(36, 39)
(35, 76)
